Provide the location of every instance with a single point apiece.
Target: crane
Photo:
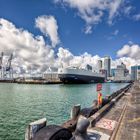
(8, 66)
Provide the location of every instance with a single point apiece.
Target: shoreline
(41, 82)
(92, 114)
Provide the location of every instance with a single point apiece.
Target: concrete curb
(118, 124)
(94, 118)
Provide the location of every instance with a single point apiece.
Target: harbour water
(21, 104)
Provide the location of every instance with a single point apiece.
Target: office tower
(135, 73)
(121, 73)
(107, 65)
(99, 65)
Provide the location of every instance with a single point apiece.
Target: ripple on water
(21, 104)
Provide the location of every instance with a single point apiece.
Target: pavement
(122, 121)
(130, 125)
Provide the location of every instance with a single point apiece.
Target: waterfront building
(121, 73)
(31, 76)
(135, 73)
(99, 65)
(107, 65)
(51, 74)
(103, 71)
(113, 72)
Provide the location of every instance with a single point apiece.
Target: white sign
(106, 124)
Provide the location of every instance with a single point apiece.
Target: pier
(129, 125)
(121, 122)
(117, 119)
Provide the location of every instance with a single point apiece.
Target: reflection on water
(21, 104)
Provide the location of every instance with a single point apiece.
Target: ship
(75, 75)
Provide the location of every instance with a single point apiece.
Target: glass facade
(138, 67)
(113, 72)
(134, 72)
(107, 65)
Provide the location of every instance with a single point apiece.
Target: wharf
(119, 119)
(129, 127)
(122, 121)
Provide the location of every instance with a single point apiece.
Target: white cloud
(130, 42)
(128, 61)
(66, 58)
(136, 17)
(48, 26)
(113, 35)
(88, 29)
(114, 9)
(92, 11)
(29, 50)
(129, 55)
(115, 32)
(129, 50)
(32, 52)
(127, 10)
(123, 51)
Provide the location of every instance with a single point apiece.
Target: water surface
(21, 104)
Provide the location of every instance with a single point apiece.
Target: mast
(8, 67)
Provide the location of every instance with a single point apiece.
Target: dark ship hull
(80, 79)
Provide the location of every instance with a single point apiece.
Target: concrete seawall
(108, 122)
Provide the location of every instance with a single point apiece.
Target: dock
(122, 121)
(117, 119)
(129, 126)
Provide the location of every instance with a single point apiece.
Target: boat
(74, 75)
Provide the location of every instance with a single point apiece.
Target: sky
(43, 33)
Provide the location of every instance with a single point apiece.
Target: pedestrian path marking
(106, 124)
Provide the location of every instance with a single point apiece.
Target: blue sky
(103, 39)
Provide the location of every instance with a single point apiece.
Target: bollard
(87, 112)
(107, 97)
(82, 125)
(75, 111)
(105, 101)
(95, 103)
(53, 132)
(34, 127)
(81, 129)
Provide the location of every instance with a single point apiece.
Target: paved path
(122, 122)
(130, 125)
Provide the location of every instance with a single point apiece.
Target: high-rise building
(135, 73)
(103, 71)
(99, 65)
(121, 73)
(113, 72)
(107, 65)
